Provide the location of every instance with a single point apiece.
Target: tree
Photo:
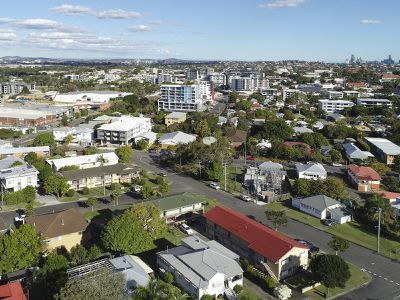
(79, 255)
(68, 139)
(124, 153)
(53, 273)
(275, 129)
(379, 167)
(163, 187)
(64, 120)
(115, 194)
(92, 201)
(20, 249)
(94, 253)
(98, 285)
(44, 139)
(278, 218)
(29, 208)
(202, 128)
(331, 270)
(56, 185)
(338, 244)
(214, 171)
(142, 144)
(142, 219)
(146, 191)
(282, 292)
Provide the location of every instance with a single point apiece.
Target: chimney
(62, 222)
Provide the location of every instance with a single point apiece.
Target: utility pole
(2, 195)
(245, 154)
(225, 174)
(104, 184)
(200, 169)
(379, 229)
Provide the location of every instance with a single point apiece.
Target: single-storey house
(175, 118)
(323, 207)
(62, 229)
(312, 171)
(175, 138)
(268, 250)
(353, 153)
(202, 267)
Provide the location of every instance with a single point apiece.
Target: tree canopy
(124, 153)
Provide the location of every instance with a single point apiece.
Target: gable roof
(364, 173)
(12, 291)
(177, 201)
(120, 169)
(58, 224)
(176, 137)
(319, 202)
(315, 168)
(261, 239)
(352, 151)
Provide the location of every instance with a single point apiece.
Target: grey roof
(353, 152)
(319, 202)
(176, 115)
(269, 165)
(315, 168)
(199, 260)
(384, 145)
(18, 171)
(178, 137)
(6, 162)
(135, 274)
(99, 171)
(340, 212)
(301, 130)
(177, 201)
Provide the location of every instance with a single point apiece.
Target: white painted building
(16, 178)
(85, 161)
(372, 102)
(179, 97)
(202, 267)
(80, 135)
(334, 95)
(124, 130)
(311, 171)
(333, 106)
(89, 96)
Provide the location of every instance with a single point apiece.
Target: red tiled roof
(389, 195)
(364, 173)
(390, 76)
(12, 291)
(260, 239)
(357, 84)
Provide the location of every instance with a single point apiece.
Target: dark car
(162, 174)
(313, 249)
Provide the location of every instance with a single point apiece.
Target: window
(285, 261)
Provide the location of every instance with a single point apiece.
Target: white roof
(176, 115)
(18, 171)
(124, 123)
(80, 160)
(384, 145)
(315, 168)
(177, 137)
(21, 150)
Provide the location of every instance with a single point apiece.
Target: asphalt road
(385, 284)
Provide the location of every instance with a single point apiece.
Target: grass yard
(96, 192)
(353, 231)
(234, 179)
(357, 279)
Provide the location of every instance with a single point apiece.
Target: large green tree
(124, 153)
(275, 129)
(52, 273)
(338, 244)
(44, 139)
(142, 219)
(331, 270)
(278, 218)
(20, 249)
(56, 185)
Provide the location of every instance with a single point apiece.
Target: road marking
(396, 297)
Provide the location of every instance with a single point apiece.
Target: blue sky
(328, 30)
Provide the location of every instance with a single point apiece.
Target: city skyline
(314, 30)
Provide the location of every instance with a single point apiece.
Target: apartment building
(186, 98)
(14, 87)
(80, 135)
(218, 79)
(333, 106)
(16, 178)
(371, 102)
(123, 130)
(334, 95)
(265, 248)
(288, 93)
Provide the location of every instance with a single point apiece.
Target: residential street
(385, 273)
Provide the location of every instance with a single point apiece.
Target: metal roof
(384, 145)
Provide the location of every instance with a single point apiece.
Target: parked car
(137, 188)
(313, 249)
(20, 218)
(337, 165)
(162, 174)
(214, 185)
(186, 229)
(329, 222)
(245, 198)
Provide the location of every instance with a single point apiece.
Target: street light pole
(104, 184)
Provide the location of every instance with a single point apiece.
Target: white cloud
(71, 10)
(140, 28)
(77, 10)
(155, 22)
(282, 4)
(7, 35)
(39, 24)
(370, 22)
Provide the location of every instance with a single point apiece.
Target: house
(150, 137)
(236, 137)
(268, 250)
(385, 150)
(136, 272)
(353, 153)
(175, 118)
(16, 178)
(180, 207)
(301, 130)
(392, 197)
(79, 135)
(175, 138)
(365, 179)
(202, 267)
(60, 230)
(23, 151)
(85, 161)
(312, 171)
(335, 117)
(100, 176)
(323, 207)
(12, 291)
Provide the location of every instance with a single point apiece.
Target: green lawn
(352, 231)
(357, 278)
(15, 207)
(97, 192)
(233, 180)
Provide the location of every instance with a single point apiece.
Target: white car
(20, 218)
(137, 188)
(337, 165)
(186, 229)
(245, 198)
(214, 186)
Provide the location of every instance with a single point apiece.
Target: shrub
(169, 277)
(25, 195)
(264, 281)
(207, 297)
(237, 289)
(70, 193)
(114, 186)
(85, 191)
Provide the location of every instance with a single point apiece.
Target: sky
(323, 30)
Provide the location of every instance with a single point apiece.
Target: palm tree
(153, 291)
(115, 194)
